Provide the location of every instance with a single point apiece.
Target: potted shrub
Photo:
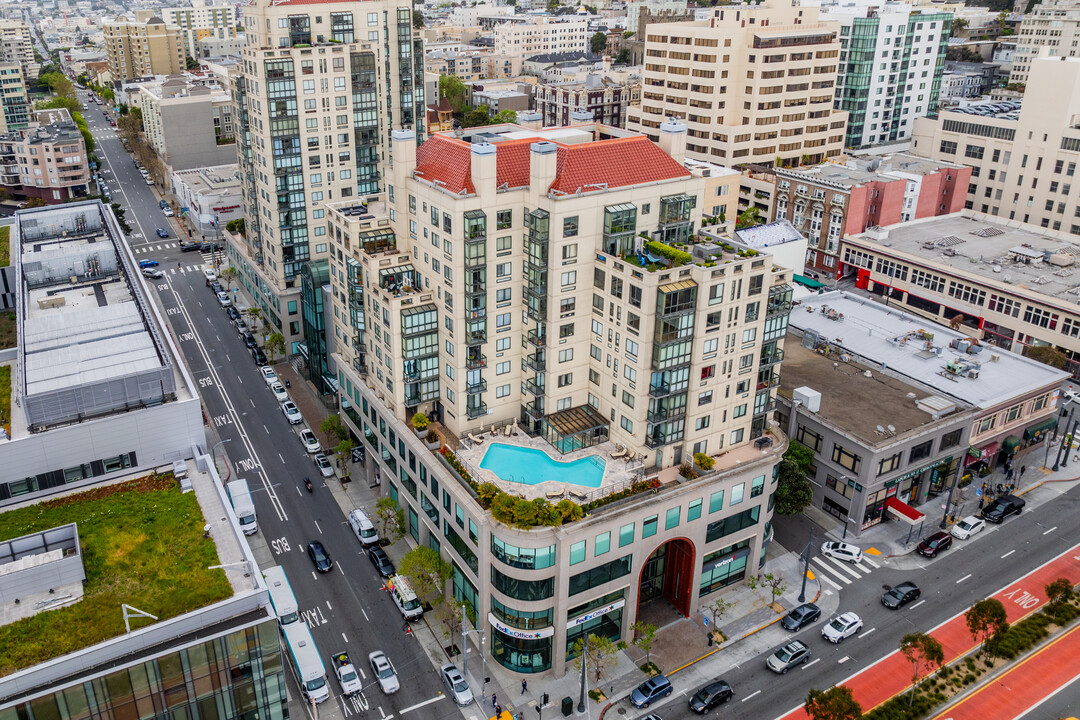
(421, 423)
(703, 462)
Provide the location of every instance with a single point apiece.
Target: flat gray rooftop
(1004, 253)
(869, 330)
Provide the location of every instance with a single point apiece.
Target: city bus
(305, 657)
(281, 596)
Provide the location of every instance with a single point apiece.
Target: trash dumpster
(567, 706)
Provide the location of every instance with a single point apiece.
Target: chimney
(483, 169)
(673, 139)
(543, 162)
(530, 119)
(581, 117)
(606, 64)
(402, 155)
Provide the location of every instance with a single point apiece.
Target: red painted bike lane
(1023, 685)
(892, 674)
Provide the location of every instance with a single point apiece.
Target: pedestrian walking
(1023, 469)
(498, 711)
(524, 686)
(494, 701)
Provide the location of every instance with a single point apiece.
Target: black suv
(1002, 508)
(259, 356)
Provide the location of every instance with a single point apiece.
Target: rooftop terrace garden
(142, 544)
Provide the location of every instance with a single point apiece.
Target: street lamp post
(1057, 458)
(806, 564)
(1068, 441)
(465, 651)
(584, 658)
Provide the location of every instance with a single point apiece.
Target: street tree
(1059, 591)
(334, 429)
(453, 89)
(228, 275)
(717, 609)
(644, 634)
(35, 202)
(274, 344)
(986, 619)
(924, 653)
(793, 491)
(344, 453)
(836, 703)
(391, 520)
(255, 317)
(598, 653)
(775, 584)
(449, 614)
(427, 572)
(801, 455)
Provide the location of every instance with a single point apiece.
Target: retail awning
(808, 282)
(1036, 431)
(902, 511)
(975, 454)
(1011, 444)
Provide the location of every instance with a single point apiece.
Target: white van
(240, 497)
(404, 597)
(363, 528)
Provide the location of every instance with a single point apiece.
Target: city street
(346, 608)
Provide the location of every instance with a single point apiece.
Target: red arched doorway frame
(678, 573)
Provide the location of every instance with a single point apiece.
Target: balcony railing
(777, 356)
(665, 414)
(770, 382)
(476, 361)
(531, 387)
(478, 337)
(475, 411)
(656, 440)
(476, 387)
(535, 361)
(534, 409)
(536, 338)
(476, 314)
(412, 397)
(476, 288)
(359, 366)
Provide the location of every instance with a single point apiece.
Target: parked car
(900, 595)
(278, 389)
(1003, 507)
(241, 326)
(787, 657)
(268, 375)
(382, 562)
(967, 527)
(148, 263)
(223, 299)
(153, 273)
(258, 356)
(163, 204)
(232, 312)
(216, 287)
(308, 440)
(934, 544)
(841, 627)
(800, 617)
(842, 551)
(455, 684)
(168, 212)
(650, 691)
(384, 672)
(711, 695)
(323, 463)
(249, 342)
(319, 556)
(210, 275)
(291, 412)
(149, 181)
(162, 232)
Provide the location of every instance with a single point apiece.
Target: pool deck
(617, 472)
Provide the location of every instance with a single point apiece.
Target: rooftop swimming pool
(531, 467)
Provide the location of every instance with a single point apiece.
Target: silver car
(455, 684)
(384, 672)
(323, 463)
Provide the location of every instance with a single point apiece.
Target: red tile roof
(586, 167)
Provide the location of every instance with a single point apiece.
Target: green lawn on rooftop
(5, 246)
(142, 544)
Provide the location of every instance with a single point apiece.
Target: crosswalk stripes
(836, 571)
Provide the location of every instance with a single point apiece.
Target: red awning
(902, 511)
(987, 451)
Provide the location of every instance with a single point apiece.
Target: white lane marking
(756, 692)
(361, 671)
(382, 712)
(962, 579)
(866, 632)
(320, 532)
(1050, 530)
(917, 604)
(314, 576)
(437, 698)
(338, 565)
(281, 458)
(344, 638)
(1007, 554)
(266, 429)
(365, 614)
(843, 660)
(821, 563)
(298, 492)
(331, 607)
(812, 662)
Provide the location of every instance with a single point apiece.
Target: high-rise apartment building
(1051, 27)
(139, 49)
(188, 125)
(14, 104)
(322, 86)
(1023, 155)
(541, 36)
(754, 84)
(200, 21)
(503, 280)
(892, 57)
(17, 46)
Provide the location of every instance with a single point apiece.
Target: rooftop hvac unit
(808, 397)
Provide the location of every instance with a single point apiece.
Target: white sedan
(384, 672)
(291, 412)
(323, 463)
(279, 392)
(309, 441)
(971, 525)
(842, 626)
(223, 299)
(841, 551)
(210, 275)
(268, 375)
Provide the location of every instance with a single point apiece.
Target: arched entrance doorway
(669, 574)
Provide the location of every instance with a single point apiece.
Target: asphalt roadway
(346, 608)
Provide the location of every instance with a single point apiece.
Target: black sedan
(319, 556)
(232, 312)
(900, 595)
(710, 696)
(249, 340)
(382, 562)
(800, 617)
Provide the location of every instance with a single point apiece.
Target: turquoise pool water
(529, 466)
